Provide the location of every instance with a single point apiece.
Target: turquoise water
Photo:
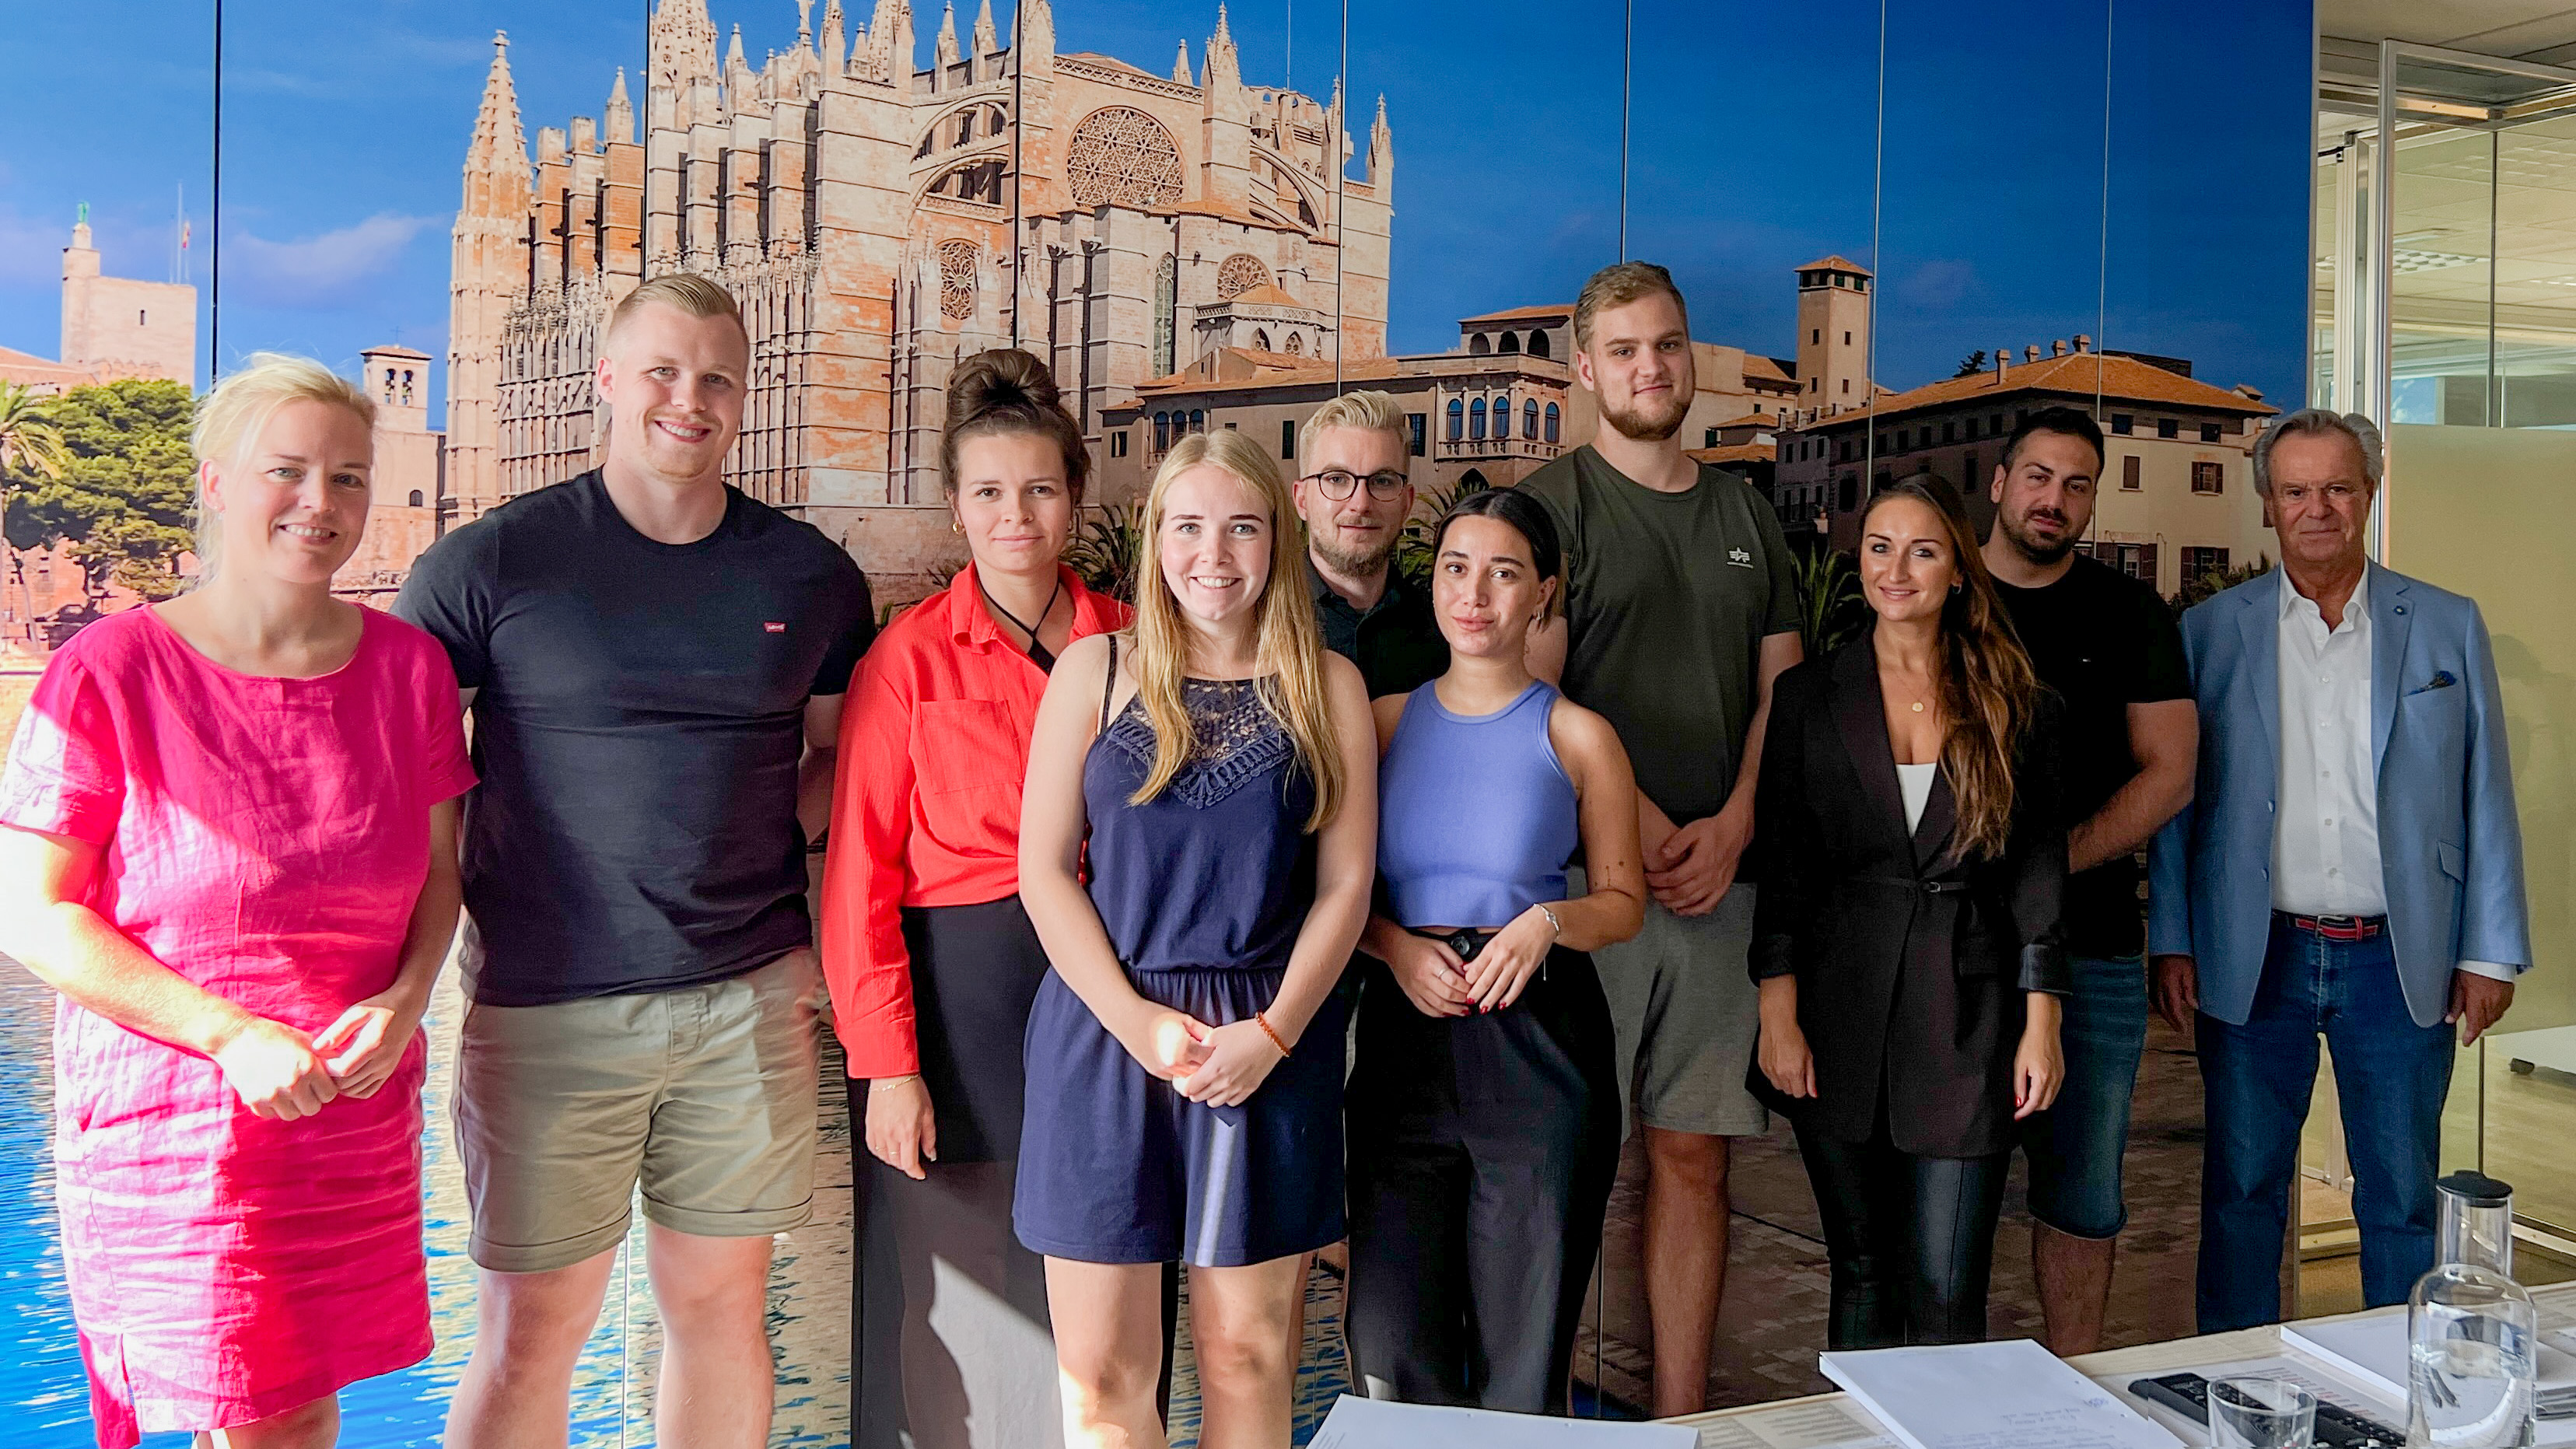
(45, 1393)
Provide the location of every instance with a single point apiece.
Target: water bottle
(2471, 1328)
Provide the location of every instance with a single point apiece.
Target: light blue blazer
(2450, 846)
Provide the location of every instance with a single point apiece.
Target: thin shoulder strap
(1109, 682)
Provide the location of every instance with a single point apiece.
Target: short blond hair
(1617, 285)
(1366, 409)
(231, 418)
(693, 294)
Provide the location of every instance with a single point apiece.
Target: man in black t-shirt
(655, 664)
(2109, 647)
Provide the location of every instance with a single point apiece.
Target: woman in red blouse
(931, 960)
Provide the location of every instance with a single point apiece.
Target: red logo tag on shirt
(772, 626)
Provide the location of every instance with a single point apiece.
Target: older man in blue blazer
(2350, 865)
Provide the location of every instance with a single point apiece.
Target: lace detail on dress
(1235, 740)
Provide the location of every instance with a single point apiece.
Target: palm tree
(28, 435)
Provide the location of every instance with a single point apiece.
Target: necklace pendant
(1918, 706)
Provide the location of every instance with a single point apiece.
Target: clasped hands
(280, 1072)
(1439, 984)
(1215, 1066)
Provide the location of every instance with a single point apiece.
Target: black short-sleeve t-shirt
(2103, 641)
(1668, 599)
(638, 723)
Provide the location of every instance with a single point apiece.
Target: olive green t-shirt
(1668, 599)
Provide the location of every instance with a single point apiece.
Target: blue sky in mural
(1755, 137)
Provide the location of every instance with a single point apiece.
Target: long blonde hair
(1290, 657)
(231, 418)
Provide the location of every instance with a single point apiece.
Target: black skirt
(975, 971)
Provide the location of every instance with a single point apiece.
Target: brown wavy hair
(1989, 692)
(1289, 644)
(1007, 390)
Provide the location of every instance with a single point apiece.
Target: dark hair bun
(1007, 390)
(1005, 378)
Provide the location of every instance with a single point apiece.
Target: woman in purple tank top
(1483, 1110)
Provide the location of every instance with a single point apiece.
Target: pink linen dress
(265, 839)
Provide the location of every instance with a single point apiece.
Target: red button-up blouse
(926, 805)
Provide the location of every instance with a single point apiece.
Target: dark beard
(1354, 565)
(1638, 427)
(2031, 548)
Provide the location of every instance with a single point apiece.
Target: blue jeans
(2075, 1147)
(2390, 1078)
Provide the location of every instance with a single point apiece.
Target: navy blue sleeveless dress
(1202, 890)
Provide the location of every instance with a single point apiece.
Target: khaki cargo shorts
(704, 1094)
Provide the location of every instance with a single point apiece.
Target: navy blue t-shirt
(638, 721)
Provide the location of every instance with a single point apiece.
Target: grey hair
(2320, 422)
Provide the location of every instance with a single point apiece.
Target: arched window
(1538, 344)
(1511, 343)
(1529, 416)
(1476, 419)
(1162, 432)
(1551, 422)
(1296, 345)
(1457, 419)
(1198, 420)
(1502, 417)
(1477, 346)
(957, 280)
(406, 388)
(1261, 338)
(415, 498)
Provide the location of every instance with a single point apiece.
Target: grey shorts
(704, 1094)
(1685, 1010)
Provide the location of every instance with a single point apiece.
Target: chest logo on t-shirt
(1740, 557)
(772, 626)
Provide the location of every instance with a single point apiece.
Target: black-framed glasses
(1338, 485)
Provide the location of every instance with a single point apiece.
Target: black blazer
(1911, 962)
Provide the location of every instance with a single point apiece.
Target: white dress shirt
(2325, 830)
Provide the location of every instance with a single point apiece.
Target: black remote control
(2337, 1426)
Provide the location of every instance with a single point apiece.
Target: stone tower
(488, 275)
(117, 327)
(1833, 334)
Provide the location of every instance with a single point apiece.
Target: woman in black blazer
(1906, 934)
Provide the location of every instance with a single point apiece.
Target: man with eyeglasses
(1354, 493)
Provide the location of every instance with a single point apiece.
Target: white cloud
(322, 271)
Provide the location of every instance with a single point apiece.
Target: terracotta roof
(2123, 379)
(1752, 420)
(1266, 295)
(1736, 453)
(1520, 314)
(27, 367)
(1770, 369)
(1837, 262)
(396, 350)
(1255, 369)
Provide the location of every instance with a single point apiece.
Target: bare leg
(1686, 1222)
(1108, 1320)
(528, 1333)
(1239, 1329)
(2074, 1276)
(718, 1385)
(311, 1425)
(1297, 1318)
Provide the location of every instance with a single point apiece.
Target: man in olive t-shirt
(1681, 608)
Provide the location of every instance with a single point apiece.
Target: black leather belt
(1467, 941)
(1915, 883)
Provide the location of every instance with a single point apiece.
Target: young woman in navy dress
(1212, 772)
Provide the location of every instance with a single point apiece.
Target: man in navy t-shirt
(654, 664)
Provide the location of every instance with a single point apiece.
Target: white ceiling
(2541, 30)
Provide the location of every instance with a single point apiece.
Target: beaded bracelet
(1264, 1023)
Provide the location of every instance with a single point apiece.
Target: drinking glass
(2261, 1414)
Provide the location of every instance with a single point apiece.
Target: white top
(2325, 829)
(1915, 781)
(2325, 826)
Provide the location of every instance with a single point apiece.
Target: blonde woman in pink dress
(230, 845)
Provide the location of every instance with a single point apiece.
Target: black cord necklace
(1039, 654)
